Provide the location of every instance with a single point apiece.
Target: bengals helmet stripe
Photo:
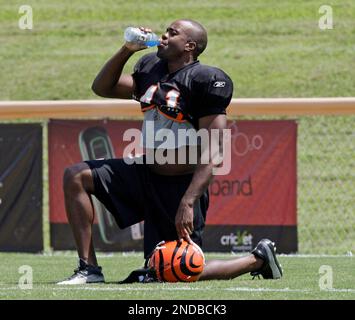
(184, 265)
(178, 245)
(161, 265)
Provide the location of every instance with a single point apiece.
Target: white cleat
(79, 278)
(84, 274)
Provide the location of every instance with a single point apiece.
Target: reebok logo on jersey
(219, 84)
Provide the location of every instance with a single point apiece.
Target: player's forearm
(201, 180)
(204, 171)
(111, 72)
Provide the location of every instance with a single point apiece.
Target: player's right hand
(135, 46)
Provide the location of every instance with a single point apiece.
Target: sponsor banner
(261, 187)
(243, 238)
(259, 191)
(21, 187)
(70, 142)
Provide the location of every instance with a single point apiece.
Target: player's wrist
(127, 50)
(133, 47)
(188, 201)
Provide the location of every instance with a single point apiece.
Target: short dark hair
(197, 34)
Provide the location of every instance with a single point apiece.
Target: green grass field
(300, 281)
(269, 48)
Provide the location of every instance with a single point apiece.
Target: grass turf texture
(269, 48)
(300, 281)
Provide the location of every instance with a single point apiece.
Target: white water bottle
(138, 36)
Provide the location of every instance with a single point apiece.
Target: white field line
(192, 289)
(214, 254)
(315, 255)
(117, 288)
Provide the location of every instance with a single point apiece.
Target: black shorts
(132, 193)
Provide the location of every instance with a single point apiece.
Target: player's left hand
(184, 221)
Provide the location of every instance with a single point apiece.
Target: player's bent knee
(76, 178)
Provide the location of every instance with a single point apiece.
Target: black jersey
(187, 94)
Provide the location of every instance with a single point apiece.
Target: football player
(176, 92)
